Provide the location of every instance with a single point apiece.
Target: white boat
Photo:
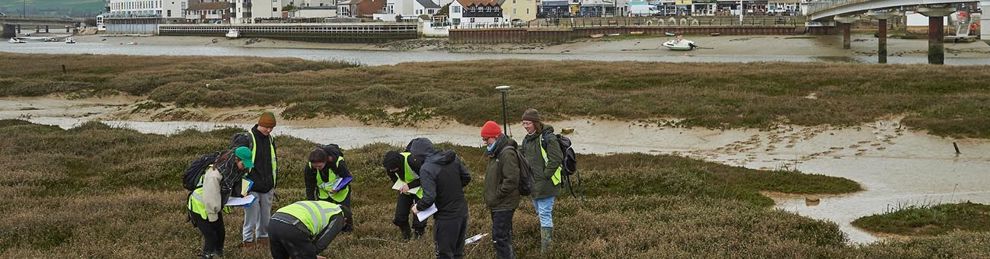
(679, 44)
(16, 40)
(70, 40)
(233, 34)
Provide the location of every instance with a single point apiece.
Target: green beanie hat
(244, 154)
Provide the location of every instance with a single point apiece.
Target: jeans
(544, 209)
(256, 217)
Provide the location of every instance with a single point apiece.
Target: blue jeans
(544, 209)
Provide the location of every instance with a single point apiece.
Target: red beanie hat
(490, 130)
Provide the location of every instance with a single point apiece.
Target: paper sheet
(240, 201)
(423, 215)
(398, 185)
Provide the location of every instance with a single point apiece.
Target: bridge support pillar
(9, 31)
(882, 17)
(18, 29)
(936, 31)
(985, 20)
(845, 24)
(46, 29)
(37, 29)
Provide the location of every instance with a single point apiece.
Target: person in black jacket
(443, 177)
(403, 168)
(264, 175)
(328, 179)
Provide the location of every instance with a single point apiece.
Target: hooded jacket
(543, 170)
(502, 176)
(443, 177)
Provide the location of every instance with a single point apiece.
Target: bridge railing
(823, 5)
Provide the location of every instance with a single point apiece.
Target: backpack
(525, 172)
(191, 177)
(242, 139)
(569, 163)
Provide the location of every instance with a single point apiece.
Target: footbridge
(12, 25)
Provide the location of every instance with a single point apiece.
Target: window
(457, 9)
(169, 12)
(472, 20)
(274, 9)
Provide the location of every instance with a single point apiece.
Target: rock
(566, 131)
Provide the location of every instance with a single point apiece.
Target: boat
(679, 44)
(614, 34)
(16, 40)
(70, 40)
(636, 33)
(595, 36)
(233, 34)
(670, 34)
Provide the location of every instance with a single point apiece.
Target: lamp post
(505, 125)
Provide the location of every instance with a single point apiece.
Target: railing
(596, 22)
(822, 5)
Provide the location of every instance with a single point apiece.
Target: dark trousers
(403, 205)
(449, 236)
(290, 241)
(213, 233)
(349, 222)
(502, 233)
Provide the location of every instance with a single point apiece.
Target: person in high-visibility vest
(403, 168)
(542, 150)
(303, 229)
(265, 175)
(205, 202)
(328, 179)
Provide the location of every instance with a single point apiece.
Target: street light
(505, 125)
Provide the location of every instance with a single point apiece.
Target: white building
(427, 7)
(249, 11)
(167, 9)
(394, 8)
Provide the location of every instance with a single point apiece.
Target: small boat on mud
(679, 44)
(16, 41)
(233, 34)
(70, 40)
(595, 36)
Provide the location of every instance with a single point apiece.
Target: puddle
(897, 167)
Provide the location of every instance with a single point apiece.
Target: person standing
(444, 177)
(263, 152)
(401, 167)
(206, 201)
(325, 168)
(502, 179)
(545, 158)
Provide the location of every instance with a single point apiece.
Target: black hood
(443, 158)
(420, 147)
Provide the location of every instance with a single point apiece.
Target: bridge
(845, 12)
(12, 25)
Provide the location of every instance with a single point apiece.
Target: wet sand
(897, 166)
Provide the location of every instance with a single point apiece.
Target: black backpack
(195, 170)
(569, 164)
(525, 172)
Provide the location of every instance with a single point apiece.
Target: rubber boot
(546, 237)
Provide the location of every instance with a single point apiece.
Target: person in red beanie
(502, 178)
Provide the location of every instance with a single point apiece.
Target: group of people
(424, 177)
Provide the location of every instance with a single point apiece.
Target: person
(326, 165)
(502, 177)
(303, 229)
(262, 144)
(544, 156)
(206, 201)
(443, 177)
(402, 168)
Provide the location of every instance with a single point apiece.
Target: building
(168, 10)
(519, 10)
(427, 7)
(555, 8)
(253, 11)
(209, 11)
(394, 10)
(476, 13)
(597, 8)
